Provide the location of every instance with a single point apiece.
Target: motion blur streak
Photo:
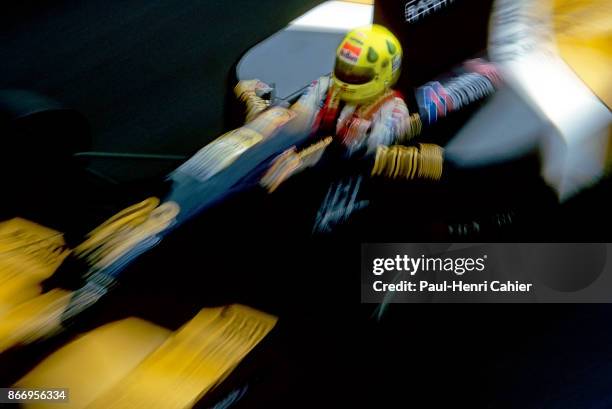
(568, 122)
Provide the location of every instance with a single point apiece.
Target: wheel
(38, 138)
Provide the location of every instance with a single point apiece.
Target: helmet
(368, 62)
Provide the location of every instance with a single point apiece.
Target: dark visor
(351, 74)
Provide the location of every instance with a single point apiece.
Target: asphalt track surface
(150, 75)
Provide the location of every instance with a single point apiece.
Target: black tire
(38, 138)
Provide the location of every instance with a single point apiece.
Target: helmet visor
(352, 74)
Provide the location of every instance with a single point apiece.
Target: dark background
(153, 76)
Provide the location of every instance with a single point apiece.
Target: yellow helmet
(368, 62)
